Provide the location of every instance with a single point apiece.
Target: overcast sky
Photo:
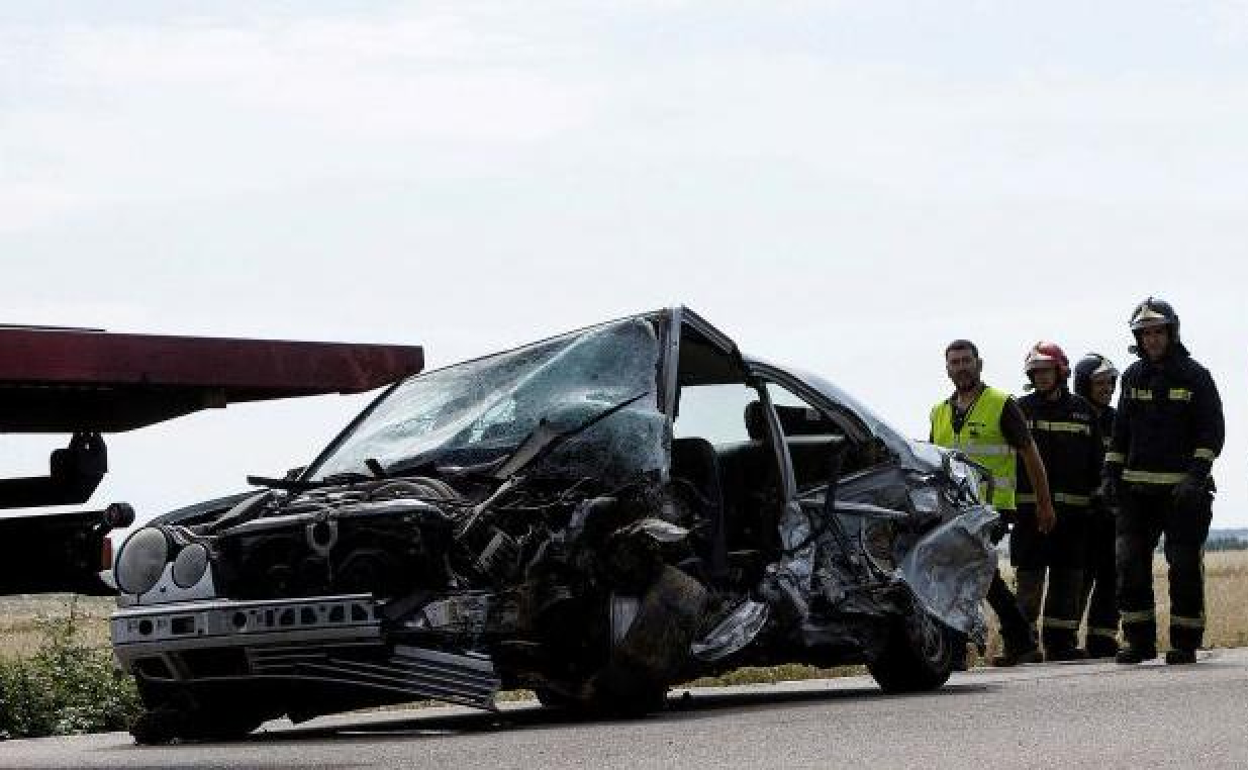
(844, 186)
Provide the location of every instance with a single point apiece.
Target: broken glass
(481, 410)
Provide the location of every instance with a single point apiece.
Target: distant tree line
(1226, 544)
(1215, 543)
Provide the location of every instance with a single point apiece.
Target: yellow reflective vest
(982, 440)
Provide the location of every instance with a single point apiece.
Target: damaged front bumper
(950, 569)
(336, 641)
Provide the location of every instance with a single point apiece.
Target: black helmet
(1155, 312)
(1151, 313)
(1088, 367)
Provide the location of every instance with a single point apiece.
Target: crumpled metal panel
(950, 568)
(787, 583)
(733, 633)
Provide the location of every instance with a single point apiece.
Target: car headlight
(142, 560)
(190, 565)
(967, 476)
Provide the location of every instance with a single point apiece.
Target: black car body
(595, 517)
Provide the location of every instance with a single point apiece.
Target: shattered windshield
(481, 410)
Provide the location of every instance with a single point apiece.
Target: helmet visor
(1147, 318)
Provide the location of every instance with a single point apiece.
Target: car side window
(716, 413)
(811, 437)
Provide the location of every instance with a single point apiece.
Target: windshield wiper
(302, 485)
(286, 485)
(545, 438)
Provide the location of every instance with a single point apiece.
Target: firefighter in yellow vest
(988, 426)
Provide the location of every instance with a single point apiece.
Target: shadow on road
(702, 705)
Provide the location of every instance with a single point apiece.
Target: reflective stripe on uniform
(1078, 501)
(1115, 457)
(1061, 427)
(1206, 454)
(1143, 616)
(1181, 622)
(1150, 477)
(1067, 625)
(985, 450)
(1180, 394)
(1110, 633)
(1139, 394)
(980, 437)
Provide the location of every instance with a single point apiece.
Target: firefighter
(1168, 431)
(987, 425)
(1065, 431)
(1096, 378)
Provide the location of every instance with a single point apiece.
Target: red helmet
(1047, 353)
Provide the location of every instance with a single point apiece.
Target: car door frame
(677, 318)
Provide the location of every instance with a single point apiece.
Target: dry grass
(23, 620)
(1226, 601)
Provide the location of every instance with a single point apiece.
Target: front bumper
(335, 641)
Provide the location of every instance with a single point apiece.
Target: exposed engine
(465, 564)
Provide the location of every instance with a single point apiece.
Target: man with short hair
(1168, 431)
(987, 426)
(1096, 378)
(1066, 433)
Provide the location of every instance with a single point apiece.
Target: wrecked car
(594, 517)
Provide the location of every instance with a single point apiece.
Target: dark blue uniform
(1068, 437)
(1100, 578)
(1167, 433)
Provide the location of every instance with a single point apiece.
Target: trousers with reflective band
(1142, 520)
(982, 440)
(1057, 608)
(1075, 501)
(1101, 581)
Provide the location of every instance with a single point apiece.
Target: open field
(1226, 601)
(22, 620)
(1226, 576)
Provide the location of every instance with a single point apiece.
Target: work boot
(1010, 658)
(1102, 647)
(1064, 654)
(1130, 655)
(1180, 657)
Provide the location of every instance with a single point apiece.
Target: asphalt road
(1063, 715)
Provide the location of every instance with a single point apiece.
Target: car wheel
(614, 691)
(621, 691)
(178, 716)
(919, 655)
(164, 725)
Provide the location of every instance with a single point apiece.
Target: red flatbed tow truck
(86, 383)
